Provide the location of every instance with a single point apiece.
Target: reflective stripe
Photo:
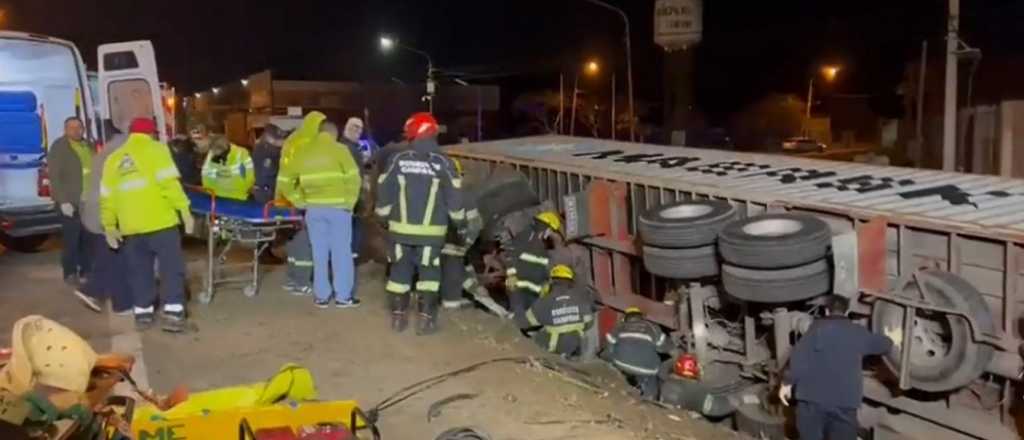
(428, 215)
(132, 184)
(300, 263)
(398, 252)
(523, 284)
(403, 208)
(425, 257)
(558, 330)
(382, 178)
(167, 173)
(383, 211)
(531, 318)
(661, 340)
(327, 200)
(469, 283)
(428, 286)
(631, 335)
(394, 287)
(421, 230)
(453, 250)
(634, 368)
(530, 258)
(608, 337)
(104, 192)
(458, 215)
(283, 179)
(511, 271)
(472, 214)
(323, 175)
(457, 183)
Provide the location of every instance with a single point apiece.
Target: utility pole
(920, 92)
(949, 117)
(561, 103)
(613, 106)
(575, 91)
(629, 65)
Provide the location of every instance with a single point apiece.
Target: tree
(769, 120)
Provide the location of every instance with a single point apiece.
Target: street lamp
(629, 64)
(592, 68)
(829, 72)
(387, 43)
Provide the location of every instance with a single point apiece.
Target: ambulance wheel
(777, 286)
(944, 355)
(205, 297)
(250, 291)
(681, 264)
(685, 224)
(774, 241)
(26, 245)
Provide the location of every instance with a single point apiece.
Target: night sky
(750, 48)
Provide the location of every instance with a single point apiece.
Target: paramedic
(300, 253)
(526, 271)
(419, 194)
(563, 312)
(228, 169)
(70, 162)
(633, 346)
(141, 206)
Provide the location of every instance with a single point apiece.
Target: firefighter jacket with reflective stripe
(231, 177)
(419, 194)
(634, 345)
(564, 310)
(140, 191)
(456, 245)
(322, 174)
(528, 259)
(303, 135)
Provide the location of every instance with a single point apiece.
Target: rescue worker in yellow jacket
(299, 276)
(563, 312)
(228, 170)
(419, 194)
(141, 206)
(324, 178)
(527, 263)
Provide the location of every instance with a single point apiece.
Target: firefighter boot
(399, 305)
(428, 305)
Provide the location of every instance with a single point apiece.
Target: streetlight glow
(830, 72)
(386, 43)
(216, 90)
(592, 67)
(245, 83)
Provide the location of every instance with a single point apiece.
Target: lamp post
(629, 64)
(829, 72)
(590, 68)
(388, 43)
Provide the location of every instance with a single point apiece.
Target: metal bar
(906, 345)
(902, 253)
(993, 340)
(954, 262)
(1011, 275)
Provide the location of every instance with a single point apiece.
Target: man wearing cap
(563, 312)
(633, 347)
(142, 205)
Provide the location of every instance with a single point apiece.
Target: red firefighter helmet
(687, 366)
(420, 125)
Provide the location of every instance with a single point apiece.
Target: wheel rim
(775, 227)
(932, 334)
(686, 211)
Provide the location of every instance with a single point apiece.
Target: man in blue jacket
(825, 368)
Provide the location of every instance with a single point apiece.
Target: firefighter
(633, 346)
(419, 195)
(825, 367)
(141, 206)
(526, 270)
(458, 274)
(299, 276)
(563, 312)
(228, 170)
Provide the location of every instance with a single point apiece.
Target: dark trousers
(140, 252)
(77, 241)
(650, 386)
(817, 422)
(453, 277)
(300, 259)
(107, 277)
(357, 235)
(520, 300)
(422, 263)
(567, 344)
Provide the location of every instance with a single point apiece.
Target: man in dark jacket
(418, 195)
(267, 158)
(825, 368)
(183, 151)
(70, 162)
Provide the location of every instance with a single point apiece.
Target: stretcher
(235, 222)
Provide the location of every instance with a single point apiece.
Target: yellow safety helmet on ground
(550, 218)
(562, 271)
(458, 165)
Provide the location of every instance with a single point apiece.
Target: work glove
(189, 222)
(895, 334)
(114, 238)
(67, 209)
(785, 393)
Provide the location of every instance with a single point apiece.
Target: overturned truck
(733, 253)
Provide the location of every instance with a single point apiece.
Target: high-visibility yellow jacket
(303, 135)
(140, 191)
(322, 173)
(232, 179)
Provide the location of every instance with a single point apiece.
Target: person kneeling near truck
(563, 312)
(633, 347)
(825, 368)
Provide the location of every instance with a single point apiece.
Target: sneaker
(322, 303)
(350, 304)
(173, 322)
(144, 321)
(297, 290)
(88, 301)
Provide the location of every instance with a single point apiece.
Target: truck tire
(944, 356)
(681, 264)
(777, 286)
(26, 244)
(774, 241)
(709, 396)
(685, 224)
(754, 420)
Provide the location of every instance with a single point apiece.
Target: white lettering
(416, 167)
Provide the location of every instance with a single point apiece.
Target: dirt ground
(354, 355)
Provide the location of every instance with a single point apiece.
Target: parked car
(803, 145)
